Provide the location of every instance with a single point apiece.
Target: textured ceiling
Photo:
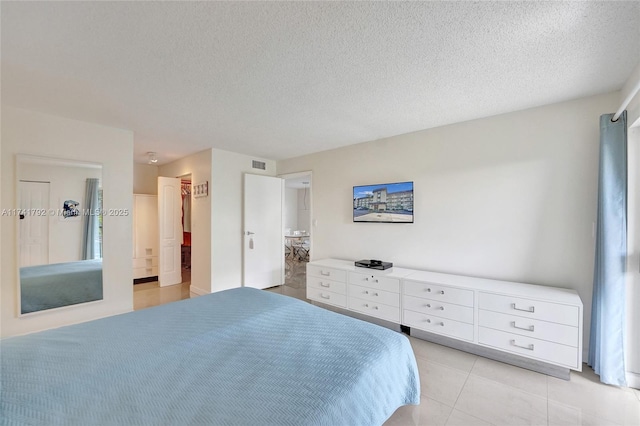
(279, 80)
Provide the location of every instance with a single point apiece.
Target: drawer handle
(367, 292)
(428, 290)
(528, 347)
(324, 285)
(428, 305)
(375, 281)
(441, 292)
(530, 328)
(325, 274)
(442, 324)
(531, 309)
(441, 308)
(428, 321)
(325, 297)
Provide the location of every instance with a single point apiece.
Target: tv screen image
(383, 203)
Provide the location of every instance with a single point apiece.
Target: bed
(60, 284)
(238, 357)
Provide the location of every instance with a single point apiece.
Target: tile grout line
(461, 389)
(465, 383)
(548, 417)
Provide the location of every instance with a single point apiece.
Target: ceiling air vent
(259, 165)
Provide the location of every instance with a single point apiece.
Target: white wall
(633, 283)
(509, 197)
(29, 132)
(199, 166)
(2, 235)
(65, 183)
(291, 209)
(227, 189)
(145, 179)
(633, 260)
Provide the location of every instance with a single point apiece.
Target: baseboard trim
(198, 291)
(145, 280)
(527, 363)
(633, 380)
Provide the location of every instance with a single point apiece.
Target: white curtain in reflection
(91, 250)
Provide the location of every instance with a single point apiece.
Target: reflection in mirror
(59, 232)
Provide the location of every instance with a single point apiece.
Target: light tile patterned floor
(463, 389)
(466, 390)
(151, 294)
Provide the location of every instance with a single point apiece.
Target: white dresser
(520, 321)
(367, 291)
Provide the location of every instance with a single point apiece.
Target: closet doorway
(185, 192)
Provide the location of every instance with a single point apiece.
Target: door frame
(312, 220)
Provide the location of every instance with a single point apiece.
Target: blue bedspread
(238, 357)
(60, 284)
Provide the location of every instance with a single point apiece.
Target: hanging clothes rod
(631, 88)
(185, 188)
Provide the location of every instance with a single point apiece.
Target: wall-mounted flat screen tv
(383, 203)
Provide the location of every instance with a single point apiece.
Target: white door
(263, 231)
(170, 231)
(33, 237)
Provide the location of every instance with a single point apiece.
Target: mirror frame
(20, 161)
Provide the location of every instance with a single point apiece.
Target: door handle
(250, 233)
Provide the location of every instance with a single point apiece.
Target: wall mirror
(59, 250)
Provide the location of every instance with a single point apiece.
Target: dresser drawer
(375, 309)
(438, 308)
(327, 297)
(529, 347)
(552, 332)
(145, 262)
(328, 285)
(434, 324)
(328, 273)
(145, 272)
(375, 295)
(439, 292)
(529, 308)
(375, 281)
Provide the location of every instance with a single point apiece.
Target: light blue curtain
(90, 231)
(607, 339)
